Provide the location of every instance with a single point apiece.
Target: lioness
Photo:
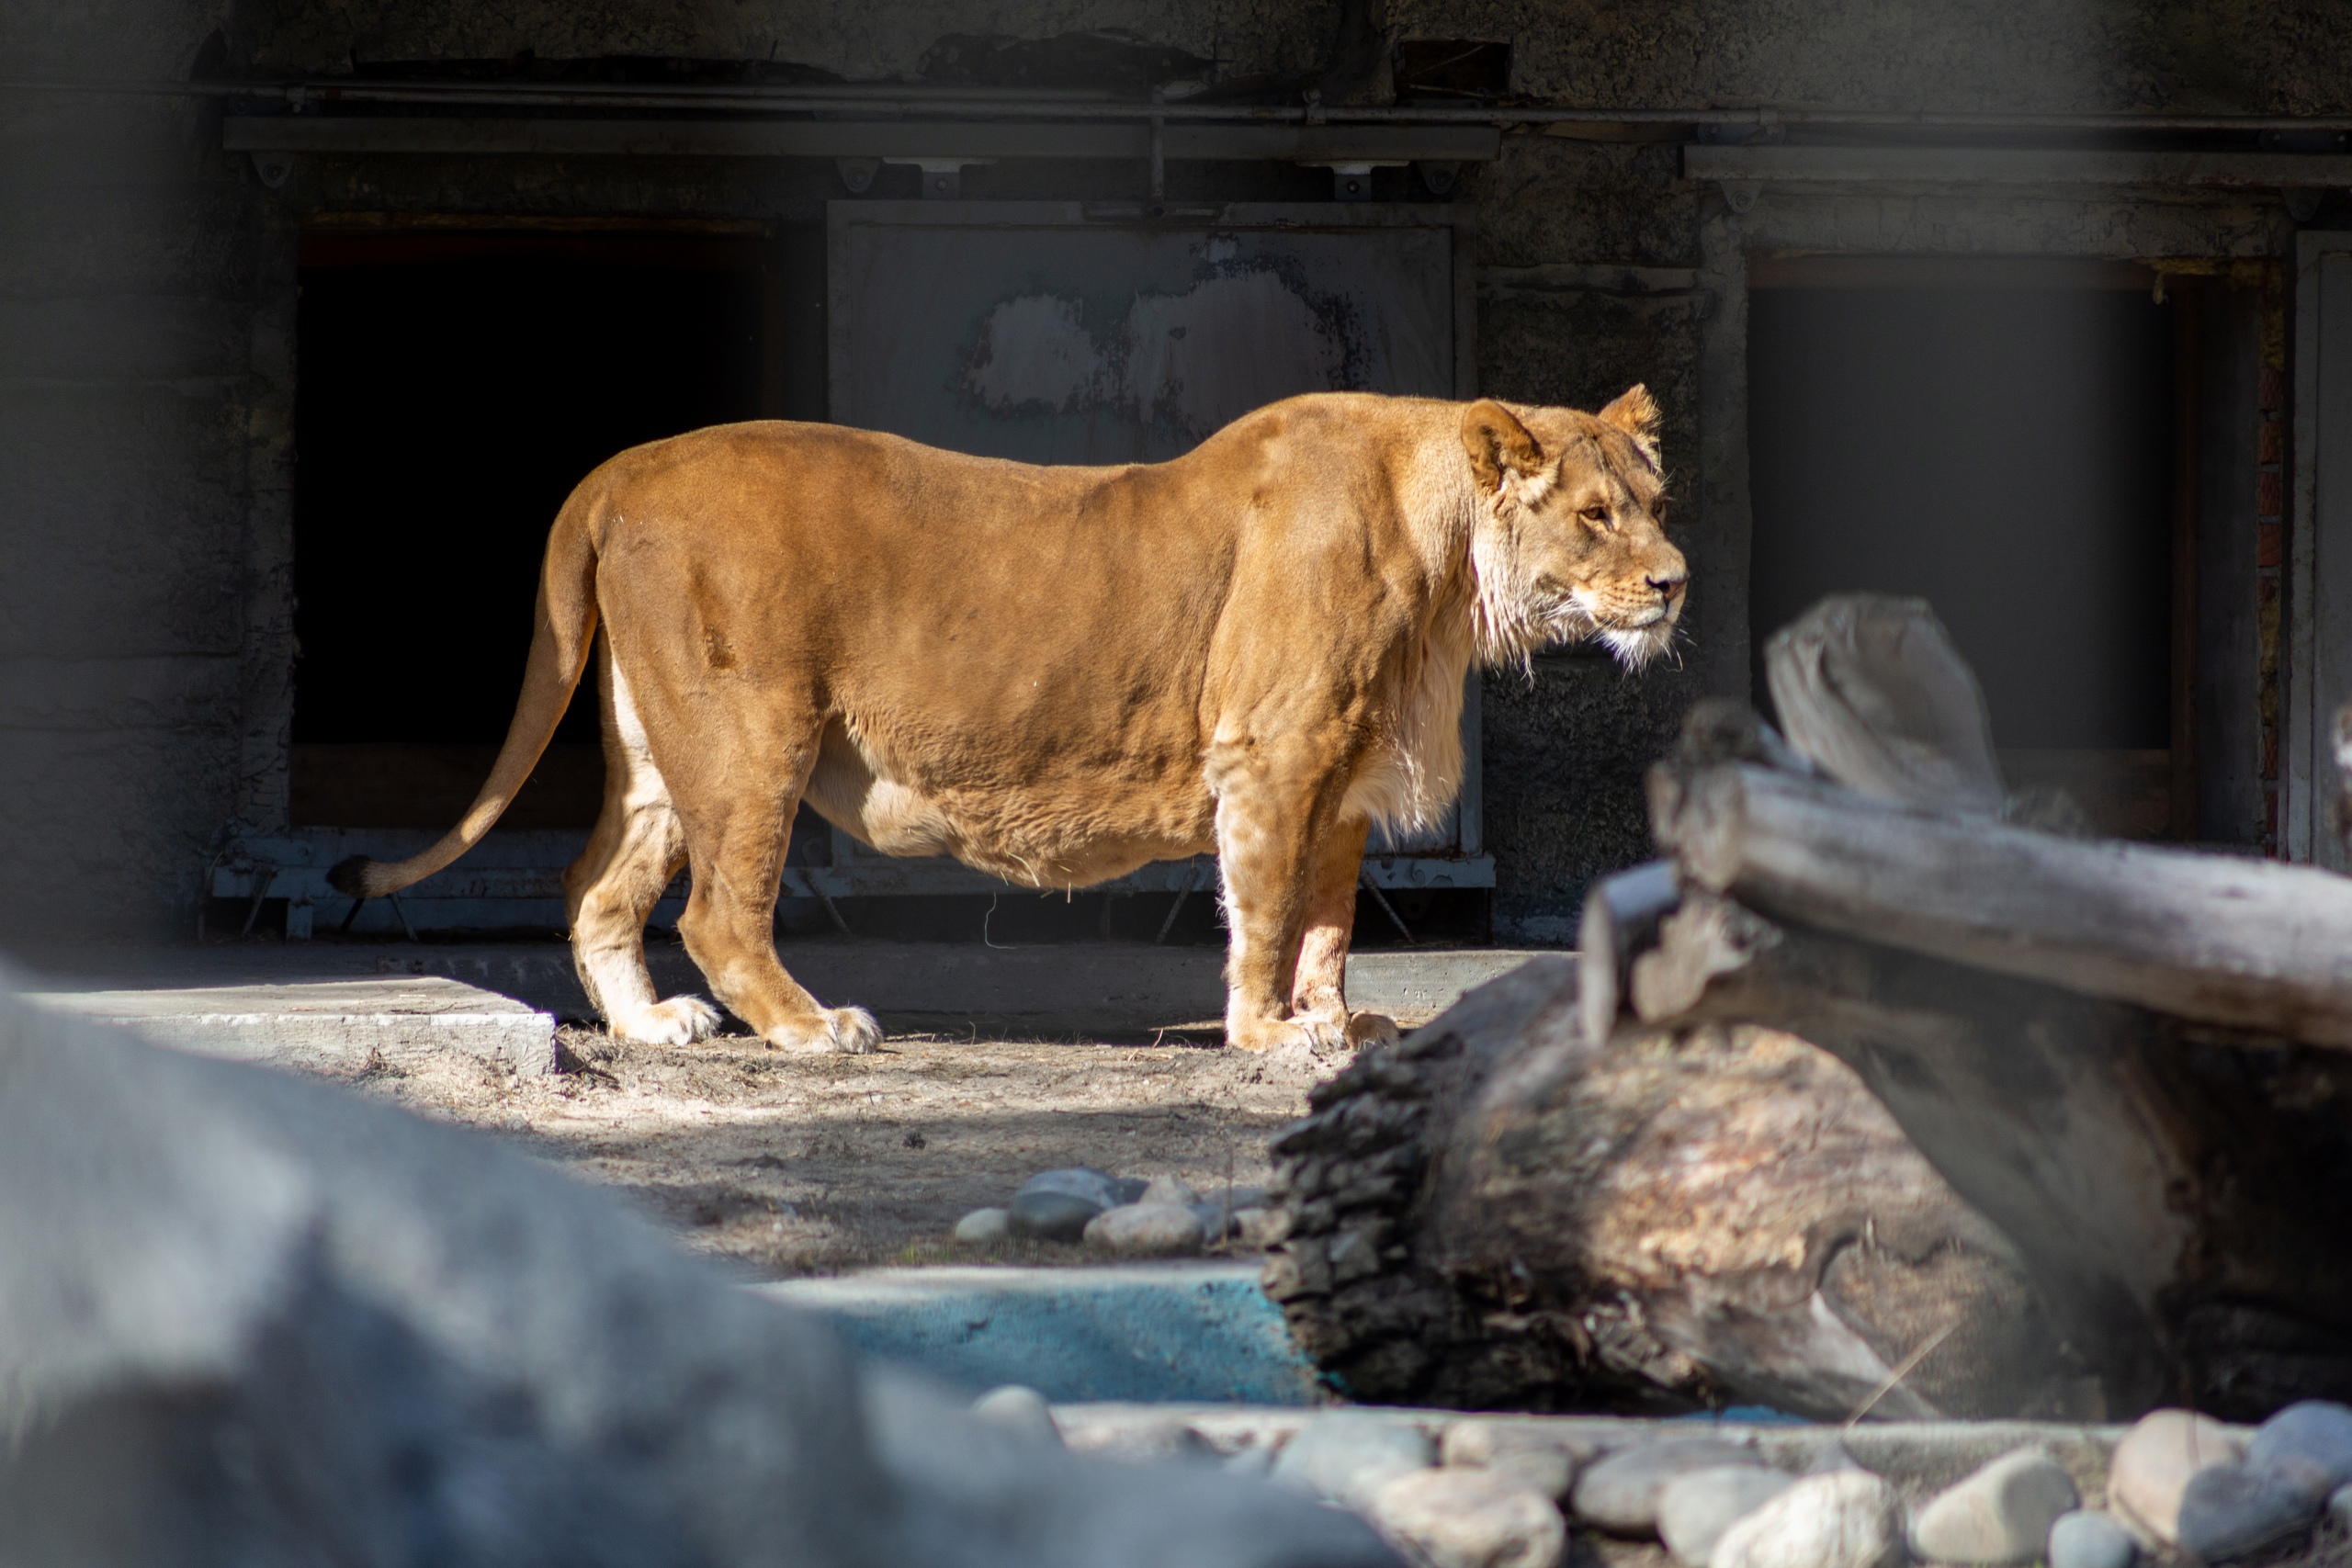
(1055, 674)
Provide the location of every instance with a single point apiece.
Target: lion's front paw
(851, 1031)
(681, 1021)
(1371, 1029)
(1316, 1036)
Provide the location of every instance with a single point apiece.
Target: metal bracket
(1439, 178)
(858, 174)
(1740, 195)
(273, 167)
(2303, 201)
(1352, 182)
(942, 177)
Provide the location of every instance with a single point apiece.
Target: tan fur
(1059, 674)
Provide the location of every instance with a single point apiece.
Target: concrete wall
(146, 298)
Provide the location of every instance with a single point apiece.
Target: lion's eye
(1595, 513)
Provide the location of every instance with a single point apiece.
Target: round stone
(1147, 1230)
(2000, 1514)
(2310, 1440)
(1619, 1493)
(1169, 1190)
(1470, 1518)
(1050, 1216)
(1846, 1518)
(1694, 1510)
(1346, 1457)
(2235, 1510)
(982, 1227)
(2089, 1539)
(1529, 1455)
(2153, 1465)
(1021, 1410)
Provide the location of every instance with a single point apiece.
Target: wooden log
(1494, 1213)
(2217, 939)
(2171, 1187)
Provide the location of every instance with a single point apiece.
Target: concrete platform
(338, 1003)
(1198, 1331)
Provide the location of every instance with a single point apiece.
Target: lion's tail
(559, 647)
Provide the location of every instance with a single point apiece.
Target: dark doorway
(1997, 438)
(453, 390)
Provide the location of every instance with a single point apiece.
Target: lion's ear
(1636, 413)
(1498, 444)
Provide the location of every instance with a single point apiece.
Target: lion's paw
(1310, 1036)
(681, 1021)
(1372, 1028)
(850, 1031)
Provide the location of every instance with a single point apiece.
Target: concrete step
(1194, 1330)
(338, 1003)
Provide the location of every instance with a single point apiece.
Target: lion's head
(1568, 543)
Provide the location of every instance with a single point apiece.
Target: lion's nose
(1667, 587)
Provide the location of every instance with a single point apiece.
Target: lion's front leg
(1319, 988)
(1275, 806)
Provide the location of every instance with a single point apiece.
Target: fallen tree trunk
(1494, 1214)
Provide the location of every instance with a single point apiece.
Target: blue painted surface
(1183, 1331)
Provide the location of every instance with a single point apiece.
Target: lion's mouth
(1635, 637)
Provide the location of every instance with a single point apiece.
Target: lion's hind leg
(637, 847)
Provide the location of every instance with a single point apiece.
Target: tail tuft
(350, 877)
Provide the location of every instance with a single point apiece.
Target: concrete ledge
(1196, 1331)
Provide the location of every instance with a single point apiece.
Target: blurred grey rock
(1619, 1493)
(1168, 1189)
(1055, 1205)
(1259, 1226)
(1146, 1230)
(1542, 1459)
(2090, 1539)
(1149, 1441)
(1471, 1518)
(2151, 1467)
(1694, 1510)
(253, 1319)
(2339, 1508)
(2000, 1514)
(982, 1227)
(1845, 1518)
(1021, 1410)
(1345, 1457)
(2235, 1510)
(2310, 1440)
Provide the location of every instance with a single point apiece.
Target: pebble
(1847, 1518)
(1694, 1510)
(982, 1227)
(1147, 1230)
(2311, 1441)
(2089, 1539)
(2230, 1510)
(1053, 1205)
(2153, 1463)
(1470, 1518)
(1543, 1460)
(1021, 1410)
(1345, 1457)
(2000, 1514)
(1619, 1493)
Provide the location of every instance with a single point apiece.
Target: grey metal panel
(359, 134)
(1040, 332)
(1981, 166)
(2319, 674)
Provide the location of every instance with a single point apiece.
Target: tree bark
(1492, 1215)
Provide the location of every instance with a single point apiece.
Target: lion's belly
(1070, 834)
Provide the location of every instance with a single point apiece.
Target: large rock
(2310, 1440)
(1347, 1456)
(1147, 1230)
(1695, 1510)
(1056, 1205)
(1533, 1456)
(2235, 1510)
(1619, 1493)
(2086, 1539)
(2152, 1465)
(2000, 1514)
(1847, 1518)
(247, 1318)
(1471, 1518)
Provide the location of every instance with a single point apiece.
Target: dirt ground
(786, 1163)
